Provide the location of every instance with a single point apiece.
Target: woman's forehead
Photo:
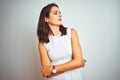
(54, 8)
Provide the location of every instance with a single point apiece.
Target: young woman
(60, 51)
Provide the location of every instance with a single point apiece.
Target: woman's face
(55, 17)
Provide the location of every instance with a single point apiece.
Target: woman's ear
(46, 19)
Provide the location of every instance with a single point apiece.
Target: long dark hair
(43, 27)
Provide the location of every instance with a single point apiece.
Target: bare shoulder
(73, 32)
(40, 44)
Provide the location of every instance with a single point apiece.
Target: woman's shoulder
(72, 30)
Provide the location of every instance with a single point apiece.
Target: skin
(54, 21)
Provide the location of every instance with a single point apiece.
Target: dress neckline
(56, 35)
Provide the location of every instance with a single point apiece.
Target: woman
(59, 47)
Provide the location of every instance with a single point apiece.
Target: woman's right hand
(47, 71)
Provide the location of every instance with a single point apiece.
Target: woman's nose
(60, 15)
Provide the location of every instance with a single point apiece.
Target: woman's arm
(45, 61)
(77, 60)
(46, 66)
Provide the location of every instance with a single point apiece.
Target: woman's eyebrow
(56, 11)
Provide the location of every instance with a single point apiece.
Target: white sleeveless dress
(60, 51)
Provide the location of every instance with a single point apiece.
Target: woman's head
(50, 15)
(47, 12)
(54, 17)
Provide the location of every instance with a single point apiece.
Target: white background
(97, 23)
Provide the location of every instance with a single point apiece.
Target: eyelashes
(55, 13)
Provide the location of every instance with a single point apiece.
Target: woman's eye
(60, 12)
(55, 13)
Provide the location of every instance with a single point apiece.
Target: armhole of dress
(70, 40)
(69, 32)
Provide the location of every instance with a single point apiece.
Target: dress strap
(69, 31)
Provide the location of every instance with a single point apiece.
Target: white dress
(59, 51)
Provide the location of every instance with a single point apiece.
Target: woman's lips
(59, 19)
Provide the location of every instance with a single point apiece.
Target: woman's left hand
(84, 61)
(46, 70)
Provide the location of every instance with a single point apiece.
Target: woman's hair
(43, 29)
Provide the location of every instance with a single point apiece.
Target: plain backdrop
(96, 21)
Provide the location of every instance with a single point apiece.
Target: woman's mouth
(59, 19)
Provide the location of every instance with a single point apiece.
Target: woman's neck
(55, 30)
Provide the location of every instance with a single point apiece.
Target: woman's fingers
(85, 60)
(46, 70)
